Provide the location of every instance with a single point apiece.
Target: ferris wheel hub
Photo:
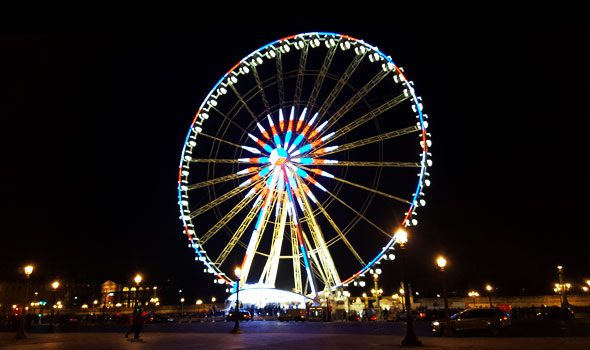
(278, 156)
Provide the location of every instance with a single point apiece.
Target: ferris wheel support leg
(326, 259)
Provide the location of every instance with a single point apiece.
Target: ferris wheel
(301, 164)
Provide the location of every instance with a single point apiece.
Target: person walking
(136, 324)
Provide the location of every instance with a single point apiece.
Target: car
(555, 313)
(492, 320)
(293, 315)
(244, 315)
(354, 317)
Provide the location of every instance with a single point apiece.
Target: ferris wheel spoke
(316, 265)
(221, 179)
(211, 160)
(223, 198)
(250, 149)
(369, 116)
(326, 174)
(367, 141)
(341, 235)
(269, 273)
(228, 119)
(295, 254)
(300, 74)
(321, 76)
(258, 232)
(341, 83)
(326, 260)
(280, 82)
(359, 214)
(227, 217)
(289, 181)
(260, 88)
(256, 160)
(243, 102)
(355, 99)
(238, 234)
(365, 164)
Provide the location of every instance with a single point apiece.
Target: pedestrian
(136, 324)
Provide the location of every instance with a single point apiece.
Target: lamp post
(181, 307)
(22, 334)
(410, 339)
(366, 300)
(474, 294)
(489, 290)
(137, 279)
(441, 262)
(376, 291)
(237, 330)
(94, 303)
(54, 286)
(563, 290)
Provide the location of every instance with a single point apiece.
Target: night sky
(93, 126)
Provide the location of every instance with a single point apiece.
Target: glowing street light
(441, 262)
(410, 339)
(563, 291)
(137, 279)
(22, 334)
(473, 294)
(489, 290)
(199, 302)
(213, 299)
(237, 330)
(54, 286)
(401, 236)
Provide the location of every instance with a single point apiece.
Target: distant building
(119, 295)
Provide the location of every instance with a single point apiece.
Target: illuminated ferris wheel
(301, 163)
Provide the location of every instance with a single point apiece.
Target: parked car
(555, 313)
(244, 315)
(492, 320)
(354, 317)
(293, 315)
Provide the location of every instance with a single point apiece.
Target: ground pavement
(283, 341)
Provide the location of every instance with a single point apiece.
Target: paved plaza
(284, 336)
(283, 341)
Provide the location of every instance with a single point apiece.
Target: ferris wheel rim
(187, 223)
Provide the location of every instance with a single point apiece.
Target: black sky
(93, 125)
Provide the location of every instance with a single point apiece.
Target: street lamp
(366, 300)
(94, 303)
(138, 278)
(181, 307)
(441, 262)
(474, 295)
(22, 334)
(237, 330)
(489, 290)
(563, 291)
(54, 285)
(410, 339)
(376, 291)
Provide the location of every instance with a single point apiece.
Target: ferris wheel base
(261, 296)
